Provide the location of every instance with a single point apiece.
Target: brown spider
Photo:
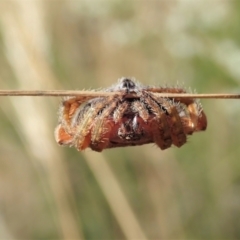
(133, 115)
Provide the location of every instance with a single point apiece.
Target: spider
(133, 115)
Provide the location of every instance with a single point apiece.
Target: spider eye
(128, 84)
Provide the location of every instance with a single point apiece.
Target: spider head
(127, 84)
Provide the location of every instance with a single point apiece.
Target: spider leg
(192, 116)
(159, 126)
(63, 132)
(202, 122)
(62, 137)
(82, 138)
(174, 120)
(140, 107)
(119, 111)
(102, 126)
(196, 119)
(69, 107)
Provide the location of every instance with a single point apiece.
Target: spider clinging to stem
(134, 115)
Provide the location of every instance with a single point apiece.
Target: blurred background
(51, 192)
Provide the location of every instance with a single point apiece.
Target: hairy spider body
(133, 115)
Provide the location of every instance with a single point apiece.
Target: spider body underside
(133, 115)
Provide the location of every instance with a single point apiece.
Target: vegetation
(49, 192)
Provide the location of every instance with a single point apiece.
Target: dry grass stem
(115, 196)
(62, 93)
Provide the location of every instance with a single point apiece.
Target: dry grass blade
(51, 93)
(115, 196)
(92, 94)
(200, 95)
(57, 187)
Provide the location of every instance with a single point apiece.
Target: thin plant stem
(62, 93)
